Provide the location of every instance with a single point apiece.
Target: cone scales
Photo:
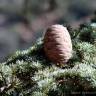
(57, 44)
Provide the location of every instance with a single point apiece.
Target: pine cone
(57, 44)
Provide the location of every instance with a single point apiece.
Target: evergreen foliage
(30, 73)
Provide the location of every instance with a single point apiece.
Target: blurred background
(22, 22)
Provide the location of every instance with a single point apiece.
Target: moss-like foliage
(31, 73)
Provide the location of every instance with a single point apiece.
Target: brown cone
(57, 44)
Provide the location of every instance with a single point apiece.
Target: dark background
(22, 22)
